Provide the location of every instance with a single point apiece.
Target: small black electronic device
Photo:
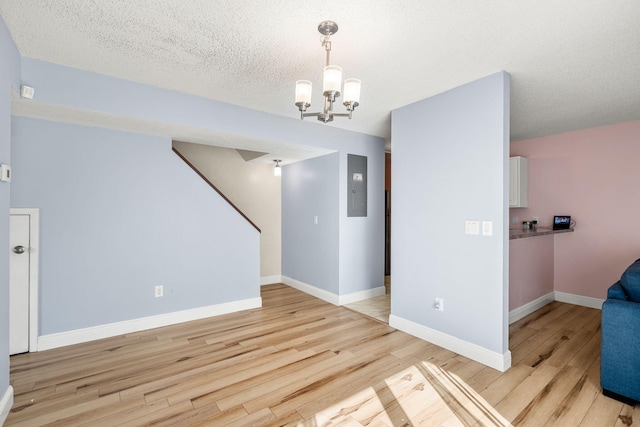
(561, 222)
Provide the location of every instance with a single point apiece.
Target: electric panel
(356, 185)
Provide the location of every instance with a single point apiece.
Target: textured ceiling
(574, 63)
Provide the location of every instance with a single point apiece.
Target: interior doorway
(387, 221)
(380, 307)
(23, 280)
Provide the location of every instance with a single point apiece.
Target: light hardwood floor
(378, 307)
(301, 361)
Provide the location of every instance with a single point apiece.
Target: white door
(19, 240)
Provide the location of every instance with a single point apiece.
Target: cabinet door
(513, 182)
(517, 182)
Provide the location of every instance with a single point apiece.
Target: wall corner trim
(77, 336)
(330, 296)
(525, 310)
(5, 404)
(312, 290)
(494, 360)
(361, 295)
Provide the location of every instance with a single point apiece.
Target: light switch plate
(487, 228)
(472, 227)
(5, 173)
(27, 92)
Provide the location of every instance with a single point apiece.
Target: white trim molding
(77, 336)
(330, 296)
(579, 300)
(5, 404)
(362, 295)
(494, 360)
(34, 263)
(312, 290)
(269, 280)
(525, 310)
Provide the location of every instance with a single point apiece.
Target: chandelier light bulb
(352, 91)
(277, 170)
(332, 79)
(303, 92)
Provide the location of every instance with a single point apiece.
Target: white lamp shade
(303, 91)
(277, 171)
(352, 90)
(332, 78)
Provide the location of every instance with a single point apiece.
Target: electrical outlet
(439, 304)
(514, 219)
(535, 218)
(159, 291)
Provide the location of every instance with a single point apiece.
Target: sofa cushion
(630, 281)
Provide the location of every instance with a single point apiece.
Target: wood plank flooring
(378, 307)
(301, 361)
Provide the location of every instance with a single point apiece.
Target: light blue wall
(119, 214)
(60, 85)
(361, 240)
(341, 254)
(310, 251)
(450, 160)
(9, 78)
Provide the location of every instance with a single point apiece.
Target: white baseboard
(579, 300)
(331, 297)
(525, 310)
(77, 336)
(498, 361)
(362, 295)
(268, 280)
(312, 290)
(5, 404)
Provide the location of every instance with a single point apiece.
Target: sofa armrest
(616, 291)
(620, 348)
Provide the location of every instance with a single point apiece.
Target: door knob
(19, 249)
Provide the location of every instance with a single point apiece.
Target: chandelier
(331, 84)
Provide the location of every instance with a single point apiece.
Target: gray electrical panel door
(356, 185)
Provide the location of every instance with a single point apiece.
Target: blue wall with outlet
(450, 163)
(120, 214)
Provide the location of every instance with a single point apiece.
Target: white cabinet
(517, 182)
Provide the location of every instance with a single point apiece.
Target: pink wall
(530, 269)
(594, 176)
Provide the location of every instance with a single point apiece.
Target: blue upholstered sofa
(620, 351)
